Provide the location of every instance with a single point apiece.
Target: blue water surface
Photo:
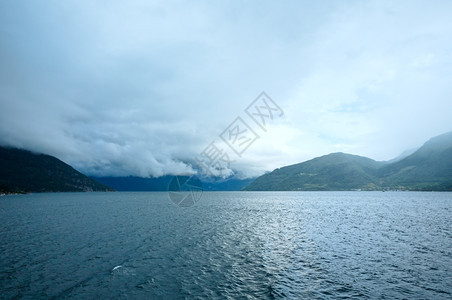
(251, 245)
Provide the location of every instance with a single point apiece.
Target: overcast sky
(142, 87)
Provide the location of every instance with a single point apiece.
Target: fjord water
(263, 245)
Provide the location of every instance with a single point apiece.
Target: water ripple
(229, 245)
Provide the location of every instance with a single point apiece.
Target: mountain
(24, 171)
(336, 171)
(135, 184)
(404, 154)
(227, 184)
(428, 168)
(132, 183)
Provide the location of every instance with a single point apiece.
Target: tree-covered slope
(428, 168)
(336, 171)
(24, 171)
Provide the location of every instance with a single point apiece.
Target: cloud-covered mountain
(133, 183)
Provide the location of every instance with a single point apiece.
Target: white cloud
(141, 88)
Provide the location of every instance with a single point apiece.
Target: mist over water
(260, 245)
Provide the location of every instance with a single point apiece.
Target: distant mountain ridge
(428, 168)
(133, 183)
(24, 171)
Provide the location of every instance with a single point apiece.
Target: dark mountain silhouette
(23, 171)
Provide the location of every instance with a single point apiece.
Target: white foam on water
(117, 267)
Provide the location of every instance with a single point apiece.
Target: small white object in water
(117, 267)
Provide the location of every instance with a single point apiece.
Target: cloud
(375, 88)
(142, 88)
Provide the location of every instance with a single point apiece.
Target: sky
(143, 88)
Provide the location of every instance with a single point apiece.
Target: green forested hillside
(429, 168)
